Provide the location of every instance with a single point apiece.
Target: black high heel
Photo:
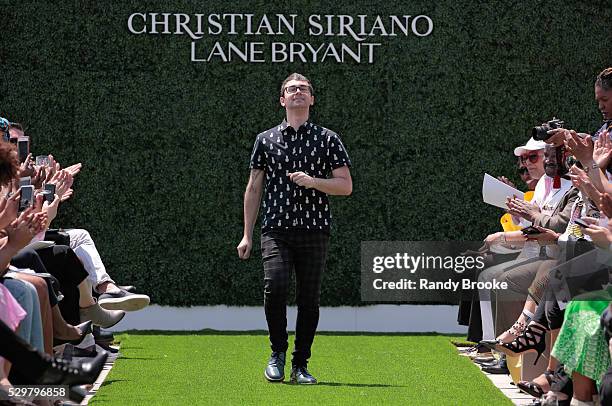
(84, 329)
(533, 338)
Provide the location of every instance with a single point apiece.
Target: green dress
(581, 345)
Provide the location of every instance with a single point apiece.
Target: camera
(540, 133)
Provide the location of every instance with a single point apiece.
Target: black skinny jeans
(306, 253)
(61, 262)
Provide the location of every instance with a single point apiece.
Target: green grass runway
(225, 368)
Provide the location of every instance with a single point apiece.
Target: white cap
(532, 145)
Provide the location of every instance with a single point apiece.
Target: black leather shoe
(484, 360)
(77, 393)
(490, 344)
(275, 371)
(301, 376)
(500, 369)
(102, 336)
(107, 348)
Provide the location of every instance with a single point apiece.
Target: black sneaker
(123, 300)
(301, 376)
(275, 370)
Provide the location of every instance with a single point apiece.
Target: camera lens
(540, 133)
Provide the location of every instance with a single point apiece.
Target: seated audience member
(575, 258)
(552, 202)
(581, 345)
(41, 369)
(112, 296)
(605, 391)
(61, 262)
(531, 157)
(530, 168)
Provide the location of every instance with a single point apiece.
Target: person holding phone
(296, 165)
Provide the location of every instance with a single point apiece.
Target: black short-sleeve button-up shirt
(282, 150)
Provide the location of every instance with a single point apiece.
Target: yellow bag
(506, 219)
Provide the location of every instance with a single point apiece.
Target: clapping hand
(24, 227)
(605, 204)
(582, 182)
(63, 182)
(602, 151)
(523, 209)
(74, 169)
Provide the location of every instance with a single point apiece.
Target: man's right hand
(557, 136)
(244, 248)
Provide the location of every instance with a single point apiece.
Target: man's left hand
(302, 179)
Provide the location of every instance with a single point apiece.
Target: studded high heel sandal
(533, 338)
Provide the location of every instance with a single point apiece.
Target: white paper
(495, 192)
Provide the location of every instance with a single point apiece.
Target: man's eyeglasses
(294, 89)
(533, 158)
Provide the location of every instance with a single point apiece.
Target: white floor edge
(377, 318)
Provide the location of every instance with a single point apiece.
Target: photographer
(594, 152)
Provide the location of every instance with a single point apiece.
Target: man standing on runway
(296, 158)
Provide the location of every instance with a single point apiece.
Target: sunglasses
(533, 158)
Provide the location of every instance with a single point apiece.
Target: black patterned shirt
(281, 150)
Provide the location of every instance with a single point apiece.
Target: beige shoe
(101, 317)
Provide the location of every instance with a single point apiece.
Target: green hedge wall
(165, 142)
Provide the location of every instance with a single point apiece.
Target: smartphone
(50, 187)
(531, 230)
(27, 196)
(42, 160)
(25, 181)
(581, 223)
(23, 146)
